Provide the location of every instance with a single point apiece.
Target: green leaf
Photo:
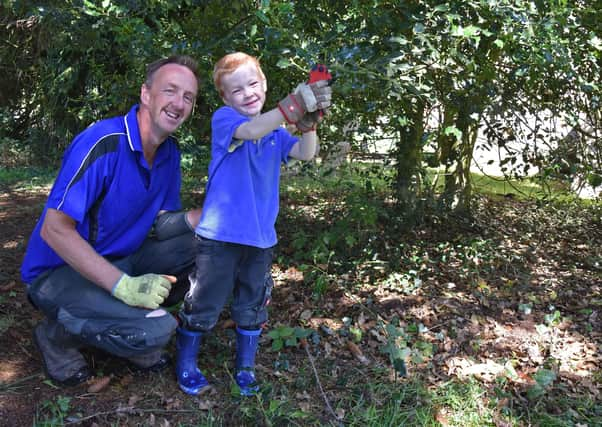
(398, 39)
(277, 345)
(274, 334)
(596, 42)
(535, 392)
(90, 8)
(454, 131)
(545, 377)
(283, 63)
(302, 333)
(286, 331)
(262, 17)
(470, 31)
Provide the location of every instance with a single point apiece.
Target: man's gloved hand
(148, 290)
(308, 97)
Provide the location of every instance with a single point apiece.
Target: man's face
(170, 98)
(244, 90)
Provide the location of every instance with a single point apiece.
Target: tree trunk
(456, 155)
(408, 156)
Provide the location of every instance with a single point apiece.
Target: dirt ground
(495, 320)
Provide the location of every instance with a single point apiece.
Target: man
(92, 265)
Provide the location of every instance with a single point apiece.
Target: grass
(27, 178)
(377, 178)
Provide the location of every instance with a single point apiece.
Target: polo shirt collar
(132, 131)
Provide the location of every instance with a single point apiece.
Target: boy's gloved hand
(308, 97)
(311, 120)
(148, 290)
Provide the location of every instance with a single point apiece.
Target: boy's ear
(264, 85)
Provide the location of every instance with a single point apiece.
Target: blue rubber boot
(247, 342)
(190, 378)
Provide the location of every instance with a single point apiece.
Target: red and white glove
(309, 121)
(308, 97)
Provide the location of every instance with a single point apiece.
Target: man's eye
(188, 99)
(169, 91)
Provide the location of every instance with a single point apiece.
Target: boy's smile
(244, 90)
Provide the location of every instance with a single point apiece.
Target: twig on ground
(130, 410)
(313, 367)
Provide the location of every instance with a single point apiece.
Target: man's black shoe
(63, 363)
(150, 363)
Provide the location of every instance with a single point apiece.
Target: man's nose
(179, 101)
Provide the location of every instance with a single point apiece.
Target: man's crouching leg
(61, 358)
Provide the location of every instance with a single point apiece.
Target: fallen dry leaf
(134, 399)
(228, 324)
(357, 352)
(8, 287)
(206, 404)
(98, 384)
(442, 417)
(306, 314)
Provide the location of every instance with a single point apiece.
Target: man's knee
(172, 224)
(130, 337)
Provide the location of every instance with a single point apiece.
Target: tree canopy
(430, 75)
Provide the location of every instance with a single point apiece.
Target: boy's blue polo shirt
(106, 186)
(242, 195)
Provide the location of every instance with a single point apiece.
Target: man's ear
(144, 94)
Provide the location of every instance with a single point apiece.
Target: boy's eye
(254, 84)
(235, 91)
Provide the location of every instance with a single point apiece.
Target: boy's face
(244, 90)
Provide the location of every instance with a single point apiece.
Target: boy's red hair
(229, 63)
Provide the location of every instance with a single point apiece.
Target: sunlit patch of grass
(525, 188)
(27, 178)
(404, 403)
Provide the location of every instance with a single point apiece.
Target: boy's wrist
(291, 108)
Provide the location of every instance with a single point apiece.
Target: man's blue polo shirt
(106, 186)
(241, 202)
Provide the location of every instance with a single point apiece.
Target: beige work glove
(148, 290)
(308, 97)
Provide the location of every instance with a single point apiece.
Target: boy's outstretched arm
(307, 98)
(305, 148)
(260, 125)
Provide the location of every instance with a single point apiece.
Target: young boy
(236, 234)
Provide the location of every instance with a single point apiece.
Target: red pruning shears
(320, 72)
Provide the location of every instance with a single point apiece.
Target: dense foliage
(427, 74)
